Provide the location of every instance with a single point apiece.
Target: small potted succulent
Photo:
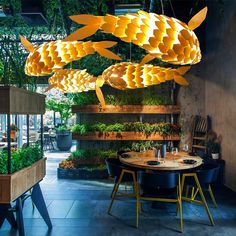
(213, 145)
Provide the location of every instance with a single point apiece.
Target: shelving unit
(14, 186)
(126, 109)
(109, 136)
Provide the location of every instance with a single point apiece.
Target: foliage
(62, 128)
(93, 158)
(20, 158)
(213, 147)
(161, 128)
(147, 96)
(139, 146)
(82, 99)
(14, 127)
(12, 60)
(212, 142)
(58, 102)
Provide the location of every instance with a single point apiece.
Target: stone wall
(212, 89)
(219, 73)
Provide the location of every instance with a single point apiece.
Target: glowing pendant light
(72, 81)
(163, 37)
(128, 75)
(47, 57)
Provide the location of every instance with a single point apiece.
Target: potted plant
(85, 164)
(14, 131)
(213, 145)
(58, 102)
(63, 138)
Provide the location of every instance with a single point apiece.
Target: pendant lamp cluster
(161, 36)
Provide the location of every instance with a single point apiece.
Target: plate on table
(153, 163)
(189, 161)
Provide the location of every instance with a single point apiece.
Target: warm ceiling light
(163, 37)
(47, 57)
(128, 75)
(72, 81)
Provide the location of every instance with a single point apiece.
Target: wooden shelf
(123, 136)
(199, 146)
(15, 100)
(128, 109)
(199, 138)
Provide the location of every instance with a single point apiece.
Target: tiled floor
(79, 208)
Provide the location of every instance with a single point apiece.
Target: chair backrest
(208, 173)
(113, 167)
(158, 179)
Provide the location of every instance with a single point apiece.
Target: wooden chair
(201, 126)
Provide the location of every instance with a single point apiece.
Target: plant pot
(215, 156)
(81, 173)
(64, 140)
(13, 134)
(14, 185)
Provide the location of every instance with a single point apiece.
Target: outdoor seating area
(117, 118)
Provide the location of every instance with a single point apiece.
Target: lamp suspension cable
(162, 8)
(172, 8)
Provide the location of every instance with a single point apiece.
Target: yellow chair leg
(192, 193)
(203, 199)
(195, 194)
(137, 209)
(115, 191)
(177, 209)
(177, 205)
(180, 205)
(180, 214)
(212, 196)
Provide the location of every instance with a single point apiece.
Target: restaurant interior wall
(218, 70)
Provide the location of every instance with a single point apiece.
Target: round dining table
(180, 162)
(148, 160)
